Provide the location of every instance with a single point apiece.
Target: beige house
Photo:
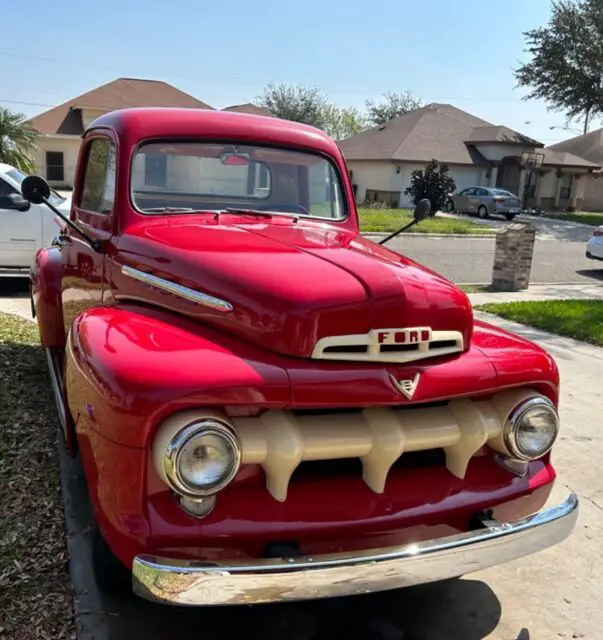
(381, 160)
(60, 129)
(588, 147)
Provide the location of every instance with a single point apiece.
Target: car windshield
(19, 176)
(180, 177)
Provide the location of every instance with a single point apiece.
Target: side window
(5, 191)
(467, 192)
(481, 192)
(98, 192)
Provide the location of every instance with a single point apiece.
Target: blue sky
(225, 51)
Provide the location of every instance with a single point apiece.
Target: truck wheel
(482, 212)
(111, 576)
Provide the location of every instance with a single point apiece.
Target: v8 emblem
(406, 387)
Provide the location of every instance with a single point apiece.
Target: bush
(432, 183)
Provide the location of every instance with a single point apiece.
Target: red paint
(139, 354)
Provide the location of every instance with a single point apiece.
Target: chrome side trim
(197, 583)
(56, 383)
(177, 289)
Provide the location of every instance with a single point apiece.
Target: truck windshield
(181, 177)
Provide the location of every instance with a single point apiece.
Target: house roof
(565, 159)
(588, 146)
(435, 131)
(248, 107)
(118, 94)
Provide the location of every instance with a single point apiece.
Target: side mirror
(18, 202)
(422, 210)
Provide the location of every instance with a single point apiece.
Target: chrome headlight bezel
(177, 445)
(514, 421)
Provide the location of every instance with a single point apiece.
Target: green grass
(579, 319)
(475, 288)
(586, 217)
(389, 220)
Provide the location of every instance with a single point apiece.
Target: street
(558, 253)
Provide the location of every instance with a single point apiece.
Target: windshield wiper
(170, 209)
(253, 212)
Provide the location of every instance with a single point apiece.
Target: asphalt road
(558, 253)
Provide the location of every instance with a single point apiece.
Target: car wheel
(509, 216)
(482, 212)
(111, 576)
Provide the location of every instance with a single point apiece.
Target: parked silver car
(485, 201)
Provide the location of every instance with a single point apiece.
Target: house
(61, 127)
(588, 147)
(381, 160)
(249, 108)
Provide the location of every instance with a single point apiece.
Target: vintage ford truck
(267, 405)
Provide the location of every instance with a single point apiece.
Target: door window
(98, 191)
(5, 191)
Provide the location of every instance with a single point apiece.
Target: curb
(380, 234)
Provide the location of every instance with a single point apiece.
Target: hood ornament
(406, 387)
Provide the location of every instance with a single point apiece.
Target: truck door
(92, 210)
(20, 231)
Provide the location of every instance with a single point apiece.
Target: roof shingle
(118, 94)
(248, 107)
(588, 146)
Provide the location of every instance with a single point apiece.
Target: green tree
(391, 107)
(433, 183)
(17, 140)
(300, 104)
(341, 123)
(566, 65)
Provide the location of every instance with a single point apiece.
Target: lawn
(580, 319)
(389, 220)
(35, 589)
(586, 217)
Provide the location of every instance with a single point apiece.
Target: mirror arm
(95, 244)
(412, 223)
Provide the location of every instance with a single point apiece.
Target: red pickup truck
(269, 406)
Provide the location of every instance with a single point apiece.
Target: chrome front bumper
(197, 583)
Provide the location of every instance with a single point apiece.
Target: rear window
(180, 176)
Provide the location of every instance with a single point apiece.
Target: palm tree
(17, 140)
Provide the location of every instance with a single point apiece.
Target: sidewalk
(541, 292)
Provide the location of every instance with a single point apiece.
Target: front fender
(46, 286)
(129, 367)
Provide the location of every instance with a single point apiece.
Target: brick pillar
(513, 257)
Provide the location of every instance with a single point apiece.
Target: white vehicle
(24, 227)
(594, 246)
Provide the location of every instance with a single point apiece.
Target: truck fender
(46, 287)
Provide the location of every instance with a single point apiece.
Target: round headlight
(531, 429)
(202, 458)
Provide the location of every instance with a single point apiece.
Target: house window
(55, 166)
(98, 193)
(155, 170)
(565, 190)
(389, 198)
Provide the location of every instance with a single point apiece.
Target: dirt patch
(36, 598)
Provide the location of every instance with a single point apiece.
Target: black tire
(111, 576)
(509, 216)
(482, 212)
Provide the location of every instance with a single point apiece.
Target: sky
(225, 52)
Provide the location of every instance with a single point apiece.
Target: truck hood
(290, 285)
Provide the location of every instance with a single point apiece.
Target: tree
(393, 106)
(300, 104)
(433, 183)
(566, 66)
(17, 140)
(341, 123)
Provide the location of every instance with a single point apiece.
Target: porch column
(493, 175)
(557, 188)
(539, 187)
(522, 184)
(574, 193)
